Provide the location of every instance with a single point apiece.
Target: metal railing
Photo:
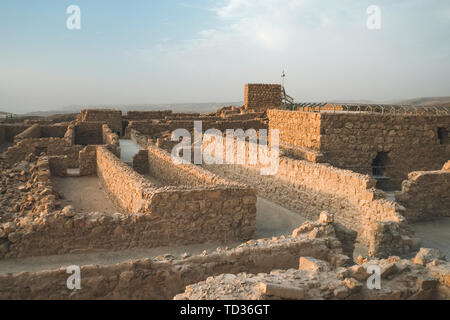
(372, 108)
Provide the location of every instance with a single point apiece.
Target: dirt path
(127, 150)
(271, 220)
(86, 194)
(274, 220)
(35, 264)
(434, 234)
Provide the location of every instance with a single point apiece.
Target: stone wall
(58, 165)
(32, 205)
(111, 139)
(2, 134)
(189, 116)
(89, 133)
(32, 132)
(140, 162)
(165, 276)
(411, 142)
(71, 144)
(425, 195)
(152, 128)
(353, 140)
(88, 161)
(147, 115)
(243, 116)
(70, 134)
(309, 188)
(113, 118)
(315, 279)
(9, 131)
(34, 140)
(50, 146)
(37, 131)
(185, 174)
(55, 131)
(262, 96)
(158, 216)
(299, 129)
(138, 138)
(126, 187)
(205, 206)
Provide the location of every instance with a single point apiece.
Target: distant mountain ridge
(421, 101)
(427, 101)
(213, 106)
(176, 107)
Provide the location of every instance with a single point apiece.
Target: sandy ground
(34, 264)
(127, 150)
(390, 195)
(434, 234)
(84, 193)
(274, 220)
(5, 146)
(271, 220)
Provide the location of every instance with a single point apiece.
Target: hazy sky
(153, 51)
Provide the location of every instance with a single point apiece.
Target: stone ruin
(362, 180)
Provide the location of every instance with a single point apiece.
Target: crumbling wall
(58, 165)
(152, 128)
(148, 115)
(54, 140)
(88, 161)
(187, 116)
(152, 216)
(162, 166)
(111, 140)
(32, 132)
(89, 133)
(165, 276)
(140, 162)
(425, 195)
(50, 146)
(261, 97)
(138, 138)
(113, 118)
(11, 130)
(315, 279)
(221, 205)
(125, 186)
(55, 131)
(29, 197)
(2, 134)
(70, 134)
(309, 188)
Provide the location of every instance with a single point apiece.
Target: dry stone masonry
(260, 97)
(337, 167)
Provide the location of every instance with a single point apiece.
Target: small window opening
(443, 136)
(379, 164)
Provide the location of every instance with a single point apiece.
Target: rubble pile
(25, 189)
(427, 276)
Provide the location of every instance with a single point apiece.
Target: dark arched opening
(379, 164)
